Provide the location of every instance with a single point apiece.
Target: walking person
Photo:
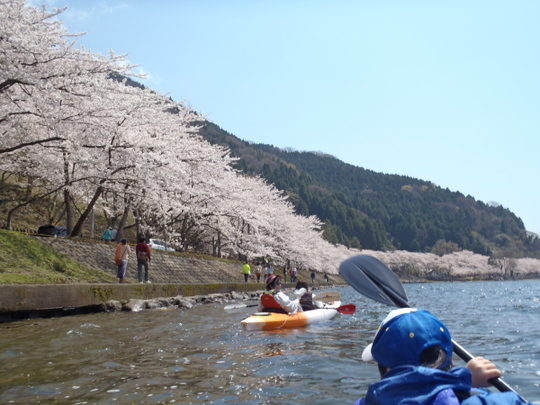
(144, 256)
(246, 269)
(107, 236)
(294, 275)
(258, 272)
(313, 275)
(121, 259)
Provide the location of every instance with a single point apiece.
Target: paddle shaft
(344, 309)
(501, 385)
(239, 306)
(324, 296)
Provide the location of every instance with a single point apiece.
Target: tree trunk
(67, 197)
(138, 224)
(78, 226)
(69, 211)
(123, 221)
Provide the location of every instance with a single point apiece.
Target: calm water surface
(202, 356)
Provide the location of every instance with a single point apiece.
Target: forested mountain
(365, 209)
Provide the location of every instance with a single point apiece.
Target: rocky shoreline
(124, 298)
(180, 302)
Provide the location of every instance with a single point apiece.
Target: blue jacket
(412, 385)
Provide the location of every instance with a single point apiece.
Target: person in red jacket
(144, 256)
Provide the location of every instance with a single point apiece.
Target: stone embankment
(174, 277)
(165, 267)
(33, 301)
(23, 302)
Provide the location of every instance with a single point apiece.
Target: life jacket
(306, 301)
(270, 304)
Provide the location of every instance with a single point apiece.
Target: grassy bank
(26, 261)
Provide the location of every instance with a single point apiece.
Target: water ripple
(202, 356)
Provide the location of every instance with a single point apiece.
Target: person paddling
(306, 298)
(274, 300)
(413, 349)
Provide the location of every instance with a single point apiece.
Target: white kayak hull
(271, 321)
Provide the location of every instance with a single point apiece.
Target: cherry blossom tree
(45, 86)
(38, 57)
(73, 125)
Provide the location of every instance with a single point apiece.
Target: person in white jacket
(274, 300)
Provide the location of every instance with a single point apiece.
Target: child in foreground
(413, 349)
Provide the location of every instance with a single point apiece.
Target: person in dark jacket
(144, 256)
(306, 300)
(413, 349)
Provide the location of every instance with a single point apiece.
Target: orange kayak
(270, 320)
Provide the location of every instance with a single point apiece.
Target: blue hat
(404, 334)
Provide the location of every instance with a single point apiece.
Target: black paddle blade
(372, 278)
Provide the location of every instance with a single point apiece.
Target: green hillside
(24, 260)
(362, 208)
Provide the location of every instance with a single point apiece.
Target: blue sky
(445, 91)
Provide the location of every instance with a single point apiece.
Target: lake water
(202, 356)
